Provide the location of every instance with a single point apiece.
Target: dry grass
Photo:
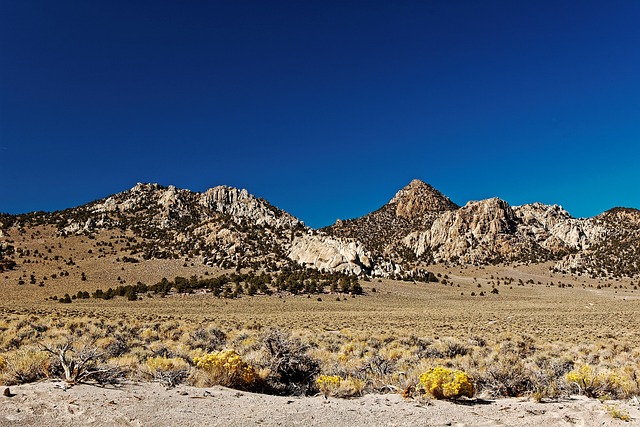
(522, 340)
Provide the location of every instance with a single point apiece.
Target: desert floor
(147, 404)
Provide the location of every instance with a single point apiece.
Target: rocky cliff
(613, 248)
(330, 254)
(421, 223)
(479, 232)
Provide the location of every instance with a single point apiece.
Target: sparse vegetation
(502, 330)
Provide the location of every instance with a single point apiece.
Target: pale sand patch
(150, 404)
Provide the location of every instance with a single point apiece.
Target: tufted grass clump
(225, 368)
(444, 383)
(25, 365)
(616, 413)
(336, 386)
(597, 383)
(169, 371)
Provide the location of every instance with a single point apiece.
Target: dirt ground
(151, 404)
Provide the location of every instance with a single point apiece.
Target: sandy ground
(150, 404)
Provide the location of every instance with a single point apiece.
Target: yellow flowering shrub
(328, 384)
(226, 368)
(616, 413)
(443, 383)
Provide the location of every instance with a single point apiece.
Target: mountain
(490, 231)
(226, 227)
(419, 199)
(614, 249)
(413, 208)
(420, 225)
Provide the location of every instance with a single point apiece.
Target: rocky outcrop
(239, 203)
(413, 208)
(553, 228)
(419, 198)
(135, 198)
(330, 254)
(491, 231)
(479, 232)
(227, 226)
(613, 249)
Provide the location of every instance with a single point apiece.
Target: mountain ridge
(231, 228)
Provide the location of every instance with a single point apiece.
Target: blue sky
(325, 109)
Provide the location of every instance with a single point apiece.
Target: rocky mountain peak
(542, 213)
(621, 214)
(419, 198)
(239, 203)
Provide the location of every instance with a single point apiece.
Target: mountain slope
(614, 249)
(223, 226)
(230, 228)
(490, 231)
(414, 207)
(420, 223)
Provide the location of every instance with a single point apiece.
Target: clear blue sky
(323, 108)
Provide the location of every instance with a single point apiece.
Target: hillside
(413, 208)
(229, 228)
(420, 225)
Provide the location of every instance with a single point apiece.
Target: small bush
(209, 340)
(597, 384)
(506, 376)
(616, 413)
(169, 371)
(336, 386)
(291, 370)
(24, 365)
(328, 384)
(226, 368)
(452, 348)
(443, 383)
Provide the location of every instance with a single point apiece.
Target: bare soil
(133, 404)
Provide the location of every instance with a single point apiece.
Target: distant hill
(228, 228)
(413, 208)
